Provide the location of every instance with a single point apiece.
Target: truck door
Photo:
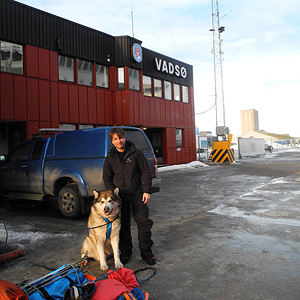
(35, 168)
(14, 170)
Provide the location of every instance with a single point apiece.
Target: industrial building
(250, 130)
(249, 120)
(59, 74)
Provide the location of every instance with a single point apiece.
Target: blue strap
(108, 231)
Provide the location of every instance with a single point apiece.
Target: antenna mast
(132, 23)
(218, 73)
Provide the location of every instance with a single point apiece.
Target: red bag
(109, 289)
(120, 281)
(121, 284)
(125, 276)
(9, 291)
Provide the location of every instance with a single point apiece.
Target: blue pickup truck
(66, 166)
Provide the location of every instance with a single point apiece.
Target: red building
(59, 74)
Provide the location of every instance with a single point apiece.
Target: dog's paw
(118, 265)
(104, 267)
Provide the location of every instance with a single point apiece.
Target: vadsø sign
(168, 67)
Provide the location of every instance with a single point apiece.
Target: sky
(261, 50)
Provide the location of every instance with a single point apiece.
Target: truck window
(22, 152)
(37, 150)
(138, 138)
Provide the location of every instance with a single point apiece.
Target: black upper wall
(20, 23)
(150, 68)
(24, 24)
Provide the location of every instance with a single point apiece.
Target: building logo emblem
(137, 52)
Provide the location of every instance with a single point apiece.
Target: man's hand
(146, 198)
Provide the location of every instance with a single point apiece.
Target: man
(126, 168)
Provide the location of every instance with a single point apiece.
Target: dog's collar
(108, 230)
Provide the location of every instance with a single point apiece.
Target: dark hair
(118, 131)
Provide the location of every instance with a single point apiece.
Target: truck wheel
(69, 201)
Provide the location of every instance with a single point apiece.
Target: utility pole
(221, 129)
(221, 152)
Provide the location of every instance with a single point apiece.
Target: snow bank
(191, 165)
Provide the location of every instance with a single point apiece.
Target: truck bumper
(155, 185)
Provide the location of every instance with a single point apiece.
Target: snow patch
(234, 212)
(29, 237)
(191, 165)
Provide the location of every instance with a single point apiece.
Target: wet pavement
(220, 232)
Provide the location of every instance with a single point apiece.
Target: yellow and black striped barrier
(221, 152)
(222, 155)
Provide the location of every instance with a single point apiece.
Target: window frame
(68, 59)
(121, 78)
(176, 85)
(179, 137)
(150, 94)
(11, 60)
(171, 91)
(159, 93)
(185, 94)
(85, 76)
(105, 76)
(134, 81)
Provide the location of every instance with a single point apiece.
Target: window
(85, 126)
(22, 152)
(139, 139)
(168, 90)
(102, 76)
(65, 68)
(134, 79)
(121, 78)
(185, 94)
(67, 127)
(85, 72)
(157, 88)
(37, 150)
(147, 86)
(176, 92)
(179, 142)
(11, 56)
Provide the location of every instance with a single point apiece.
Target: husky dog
(104, 226)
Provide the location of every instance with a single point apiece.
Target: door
(157, 146)
(35, 167)
(14, 170)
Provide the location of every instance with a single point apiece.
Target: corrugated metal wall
(23, 24)
(123, 52)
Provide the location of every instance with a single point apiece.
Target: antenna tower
(218, 73)
(132, 27)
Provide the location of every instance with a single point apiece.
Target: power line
(206, 110)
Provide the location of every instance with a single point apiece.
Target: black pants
(140, 213)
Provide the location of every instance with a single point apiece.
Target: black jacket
(132, 175)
